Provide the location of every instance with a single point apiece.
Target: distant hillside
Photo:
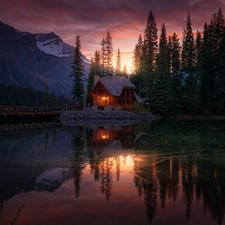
(31, 60)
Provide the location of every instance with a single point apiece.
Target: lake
(157, 172)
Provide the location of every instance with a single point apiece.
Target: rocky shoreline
(102, 118)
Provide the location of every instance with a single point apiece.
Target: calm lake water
(160, 172)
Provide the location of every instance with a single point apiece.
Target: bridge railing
(9, 110)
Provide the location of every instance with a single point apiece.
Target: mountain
(31, 60)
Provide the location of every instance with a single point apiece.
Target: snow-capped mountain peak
(52, 44)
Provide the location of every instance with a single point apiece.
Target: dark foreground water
(161, 172)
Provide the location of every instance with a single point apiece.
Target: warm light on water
(138, 175)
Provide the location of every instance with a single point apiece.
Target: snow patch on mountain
(52, 44)
(50, 180)
(20, 33)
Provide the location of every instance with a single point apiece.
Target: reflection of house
(102, 136)
(114, 93)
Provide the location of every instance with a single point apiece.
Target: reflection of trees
(210, 186)
(188, 184)
(117, 168)
(46, 140)
(95, 169)
(106, 178)
(145, 183)
(53, 137)
(184, 153)
(198, 178)
(1, 200)
(168, 155)
(77, 160)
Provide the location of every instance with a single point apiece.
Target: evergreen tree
(220, 87)
(191, 91)
(91, 75)
(54, 98)
(216, 34)
(103, 58)
(198, 46)
(124, 71)
(136, 77)
(109, 55)
(77, 74)
(176, 74)
(46, 95)
(211, 70)
(149, 53)
(118, 63)
(95, 69)
(174, 57)
(207, 78)
(163, 99)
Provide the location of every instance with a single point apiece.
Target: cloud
(125, 19)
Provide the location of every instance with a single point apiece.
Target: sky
(91, 19)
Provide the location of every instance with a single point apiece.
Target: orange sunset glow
(91, 19)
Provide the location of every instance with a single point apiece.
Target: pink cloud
(126, 19)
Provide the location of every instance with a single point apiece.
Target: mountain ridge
(31, 60)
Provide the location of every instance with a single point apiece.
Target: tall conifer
(118, 63)
(216, 29)
(136, 77)
(103, 57)
(109, 55)
(191, 91)
(163, 99)
(149, 54)
(77, 74)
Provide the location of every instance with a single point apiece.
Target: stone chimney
(96, 78)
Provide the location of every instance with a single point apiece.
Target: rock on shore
(102, 118)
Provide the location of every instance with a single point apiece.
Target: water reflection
(174, 168)
(78, 158)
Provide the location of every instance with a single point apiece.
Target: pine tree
(198, 46)
(54, 98)
(211, 70)
(124, 71)
(46, 95)
(174, 54)
(136, 77)
(206, 73)
(163, 99)
(149, 53)
(118, 63)
(176, 74)
(108, 55)
(95, 69)
(77, 74)
(216, 29)
(221, 78)
(97, 63)
(103, 58)
(137, 56)
(191, 92)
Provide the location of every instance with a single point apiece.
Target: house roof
(114, 85)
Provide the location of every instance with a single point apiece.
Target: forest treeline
(174, 75)
(182, 75)
(19, 96)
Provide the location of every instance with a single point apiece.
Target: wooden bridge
(15, 114)
(29, 111)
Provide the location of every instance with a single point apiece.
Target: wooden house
(114, 93)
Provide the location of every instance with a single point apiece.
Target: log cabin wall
(114, 91)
